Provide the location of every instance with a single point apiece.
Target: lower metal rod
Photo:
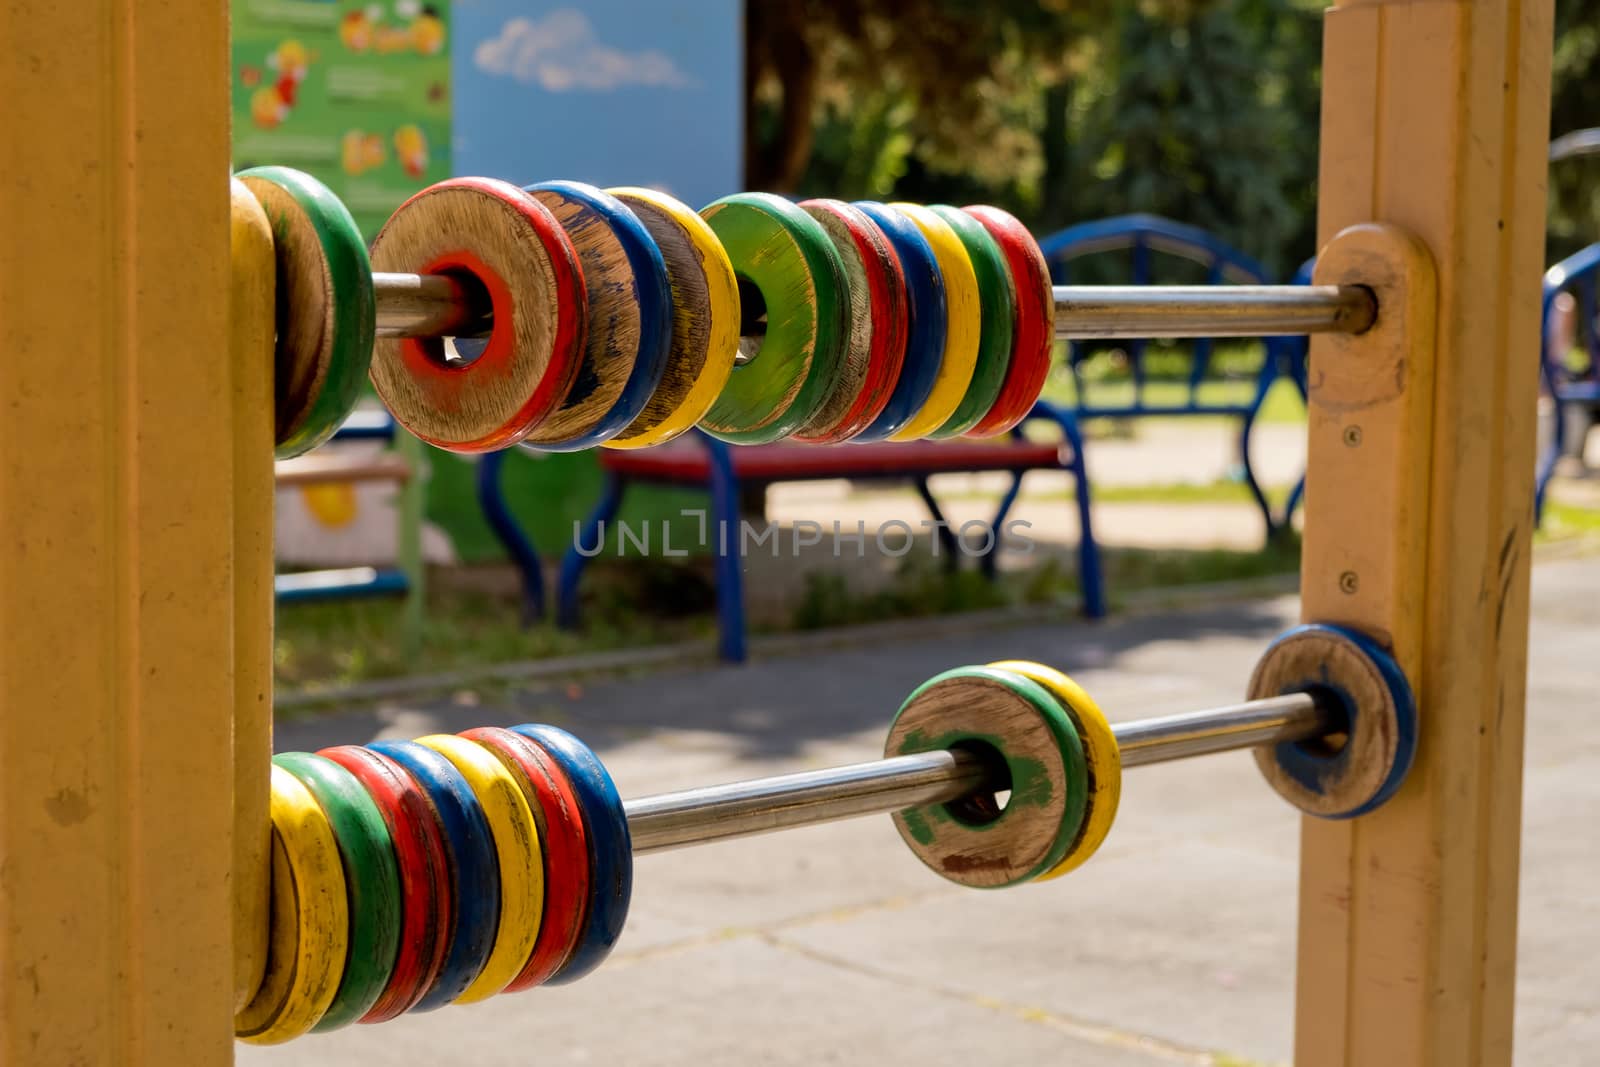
(1086, 312)
(438, 305)
(740, 809)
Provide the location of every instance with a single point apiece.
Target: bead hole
(986, 805)
(1335, 707)
(461, 351)
(752, 321)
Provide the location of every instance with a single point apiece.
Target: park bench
(1570, 377)
(731, 475)
(1150, 250)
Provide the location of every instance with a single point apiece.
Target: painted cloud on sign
(561, 53)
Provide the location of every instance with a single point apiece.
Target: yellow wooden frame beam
(116, 566)
(1435, 117)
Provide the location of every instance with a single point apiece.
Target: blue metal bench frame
(1144, 236)
(725, 489)
(1578, 273)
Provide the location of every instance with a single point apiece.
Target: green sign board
(354, 92)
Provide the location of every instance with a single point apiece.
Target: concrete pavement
(833, 945)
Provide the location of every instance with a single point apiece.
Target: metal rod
(437, 305)
(429, 305)
(1129, 311)
(1574, 144)
(761, 805)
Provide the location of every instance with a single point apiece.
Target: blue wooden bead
(630, 317)
(1357, 677)
(476, 870)
(610, 847)
(925, 300)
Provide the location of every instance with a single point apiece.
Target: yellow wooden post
(116, 487)
(252, 323)
(1435, 115)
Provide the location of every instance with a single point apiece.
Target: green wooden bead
(327, 313)
(996, 298)
(372, 879)
(785, 263)
(1017, 723)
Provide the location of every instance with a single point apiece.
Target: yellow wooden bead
(963, 310)
(516, 844)
(252, 335)
(1100, 754)
(705, 318)
(310, 926)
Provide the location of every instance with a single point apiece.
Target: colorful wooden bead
(508, 245)
(925, 321)
(520, 856)
(630, 317)
(790, 276)
(963, 310)
(996, 319)
(425, 892)
(1033, 338)
(1016, 723)
(326, 309)
(1101, 756)
(371, 878)
(705, 319)
(474, 867)
(876, 345)
(1356, 770)
(610, 847)
(310, 926)
(566, 850)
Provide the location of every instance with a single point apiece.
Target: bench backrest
(1151, 250)
(1572, 372)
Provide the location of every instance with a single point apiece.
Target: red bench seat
(687, 460)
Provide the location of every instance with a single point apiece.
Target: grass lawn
(635, 603)
(1231, 382)
(335, 643)
(321, 646)
(1564, 521)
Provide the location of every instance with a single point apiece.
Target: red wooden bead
(514, 249)
(1034, 337)
(565, 846)
(879, 323)
(425, 886)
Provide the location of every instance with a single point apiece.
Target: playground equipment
(1152, 243)
(458, 867)
(728, 474)
(403, 465)
(158, 872)
(1570, 377)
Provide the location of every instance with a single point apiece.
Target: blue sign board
(613, 92)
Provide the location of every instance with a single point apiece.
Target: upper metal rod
(761, 805)
(438, 305)
(1135, 311)
(428, 305)
(1576, 143)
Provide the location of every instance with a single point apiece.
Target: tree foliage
(940, 76)
(1575, 105)
(1202, 110)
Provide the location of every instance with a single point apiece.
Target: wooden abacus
(134, 614)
